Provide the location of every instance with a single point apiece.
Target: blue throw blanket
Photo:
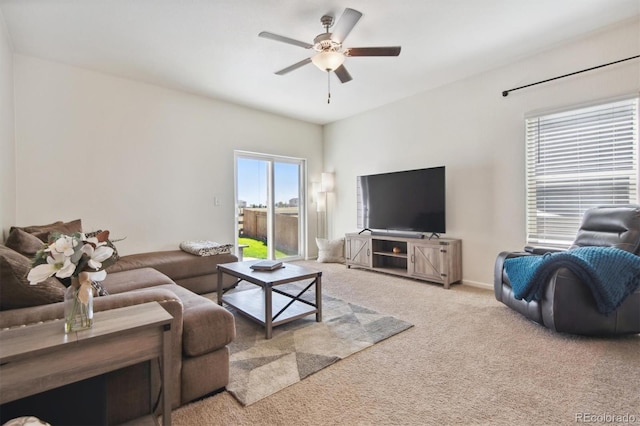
(611, 274)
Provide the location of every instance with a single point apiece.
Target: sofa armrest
(542, 250)
(55, 311)
(500, 278)
(32, 315)
(165, 297)
(498, 271)
(568, 306)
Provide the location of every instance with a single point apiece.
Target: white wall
(143, 161)
(7, 144)
(479, 136)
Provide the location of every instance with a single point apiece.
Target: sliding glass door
(270, 206)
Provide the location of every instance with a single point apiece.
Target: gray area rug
(260, 367)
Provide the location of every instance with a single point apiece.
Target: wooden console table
(41, 357)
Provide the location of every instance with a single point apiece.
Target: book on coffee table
(266, 265)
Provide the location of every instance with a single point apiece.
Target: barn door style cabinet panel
(436, 260)
(358, 251)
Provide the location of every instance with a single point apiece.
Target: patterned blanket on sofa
(205, 248)
(610, 273)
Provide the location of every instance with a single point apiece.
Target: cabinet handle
(368, 253)
(413, 260)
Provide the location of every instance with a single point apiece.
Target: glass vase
(78, 315)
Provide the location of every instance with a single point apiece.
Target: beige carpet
(467, 360)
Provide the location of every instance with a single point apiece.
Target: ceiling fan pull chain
(328, 87)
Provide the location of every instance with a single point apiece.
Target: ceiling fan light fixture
(328, 60)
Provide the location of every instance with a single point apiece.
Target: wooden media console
(436, 260)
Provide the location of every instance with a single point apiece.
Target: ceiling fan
(330, 53)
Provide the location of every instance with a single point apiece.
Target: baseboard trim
(478, 284)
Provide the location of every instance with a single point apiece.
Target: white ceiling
(212, 48)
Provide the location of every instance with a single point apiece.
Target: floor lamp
(327, 184)
(321, 209)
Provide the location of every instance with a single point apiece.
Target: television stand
(436, 260)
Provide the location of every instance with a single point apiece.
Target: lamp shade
(315, 188)
(327, 182)
(321, 202)
(327, 60)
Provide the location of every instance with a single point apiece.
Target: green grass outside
(257, 249)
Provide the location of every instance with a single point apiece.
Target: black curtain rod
(506, 92)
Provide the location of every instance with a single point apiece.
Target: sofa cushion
(24, 243)
(43, 231)
(203, 373)
(15, 290)
(177, 264)
(121, 282)
(206, 325)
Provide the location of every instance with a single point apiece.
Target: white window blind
(576, 160)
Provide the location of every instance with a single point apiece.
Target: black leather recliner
(567, 304)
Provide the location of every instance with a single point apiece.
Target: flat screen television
(410, 201)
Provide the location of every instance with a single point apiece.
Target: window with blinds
(576, 160)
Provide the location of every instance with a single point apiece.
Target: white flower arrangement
(72, 256)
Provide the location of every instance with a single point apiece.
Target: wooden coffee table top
(288, 273)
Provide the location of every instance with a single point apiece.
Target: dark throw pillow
(43, 231)
(15, 290)
(24, 243)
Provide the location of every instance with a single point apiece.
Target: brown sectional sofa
(195, 273)
(201, 329)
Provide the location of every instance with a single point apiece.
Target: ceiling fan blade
(343, 74)
(373, 51)
(348, 20)
(294, 66)
(276, 37)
